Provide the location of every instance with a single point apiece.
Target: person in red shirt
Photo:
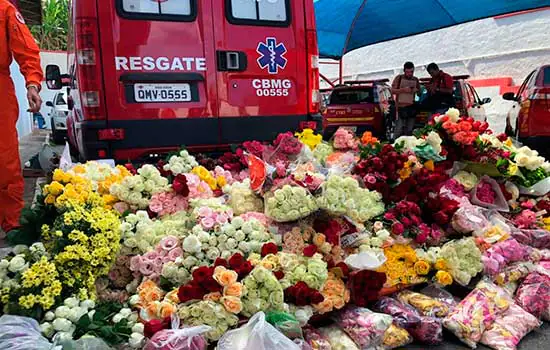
(440, 90)
(16, 41)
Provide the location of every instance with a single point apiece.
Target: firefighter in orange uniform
(16, 41)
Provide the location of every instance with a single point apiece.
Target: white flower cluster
(529, 159)
(466, 179)
(374, 243)
(19, 263)
(62, 322)
(290, 203)
(95, 172)
(344, 196)
(203, 247)
(140, 234)
(242, 199)
(136, 338)
(452, 113)
(182, 163)
(409, 143)
(137, 190)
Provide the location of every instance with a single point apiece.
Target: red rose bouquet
(365, 286)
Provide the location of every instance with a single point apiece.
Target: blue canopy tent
(345, 25)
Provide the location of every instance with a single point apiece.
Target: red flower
(344, 267)
(151, 214)
(179, 185)
(317, 297)
(221, 262)
(211, 285)
(389, 216)
(402, 207)
(130, 167)
(245, 269)
(406, 221)
(160, 166)
(421, 237)
(202, 273)
(269, 248)
(154, 326)
(279, 274)
(236, 261)
(310, 250)
(502, 137)
(397, 228)
(365, 286)
(416, 220)
(441, 218)
(190, 292)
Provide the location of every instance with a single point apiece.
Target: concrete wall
(25, 123)
(501, 47)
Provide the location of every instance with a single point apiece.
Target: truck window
(60, 100)
(183, 10)
(348, 97)
(259, 12)
(546, 79)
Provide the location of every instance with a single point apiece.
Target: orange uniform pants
(11, 179)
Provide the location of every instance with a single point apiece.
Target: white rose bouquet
(242, 199)
(137, 190)
(208, 313)
(343, 196)
(62, 321)
(181, 163)
(262, 292)
(140, 234)
(289, 203)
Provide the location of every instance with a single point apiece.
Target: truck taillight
(314, 102)
(90, 99)
(89, 70)
(86, 57)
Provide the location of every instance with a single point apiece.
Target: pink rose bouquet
(166, 203)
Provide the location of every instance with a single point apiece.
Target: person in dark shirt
(440, 90)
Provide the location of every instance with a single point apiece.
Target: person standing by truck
(405, 86)
(440, 90)
(16, 41)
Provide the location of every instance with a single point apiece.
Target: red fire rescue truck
(147, 76)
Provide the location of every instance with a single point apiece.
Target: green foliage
(52, 34)
(101, 326)
(32, 219)
(370, 150)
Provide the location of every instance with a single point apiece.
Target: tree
(52, 34)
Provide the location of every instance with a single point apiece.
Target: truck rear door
(261, 67)
(159, 70)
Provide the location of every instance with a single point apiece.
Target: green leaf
(84, 322)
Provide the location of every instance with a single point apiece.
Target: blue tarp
(345, 25)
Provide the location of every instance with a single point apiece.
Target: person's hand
(35, 102)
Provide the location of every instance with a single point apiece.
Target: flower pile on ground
(303, 230)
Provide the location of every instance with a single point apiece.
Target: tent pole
(341, 71)
(327, 80)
